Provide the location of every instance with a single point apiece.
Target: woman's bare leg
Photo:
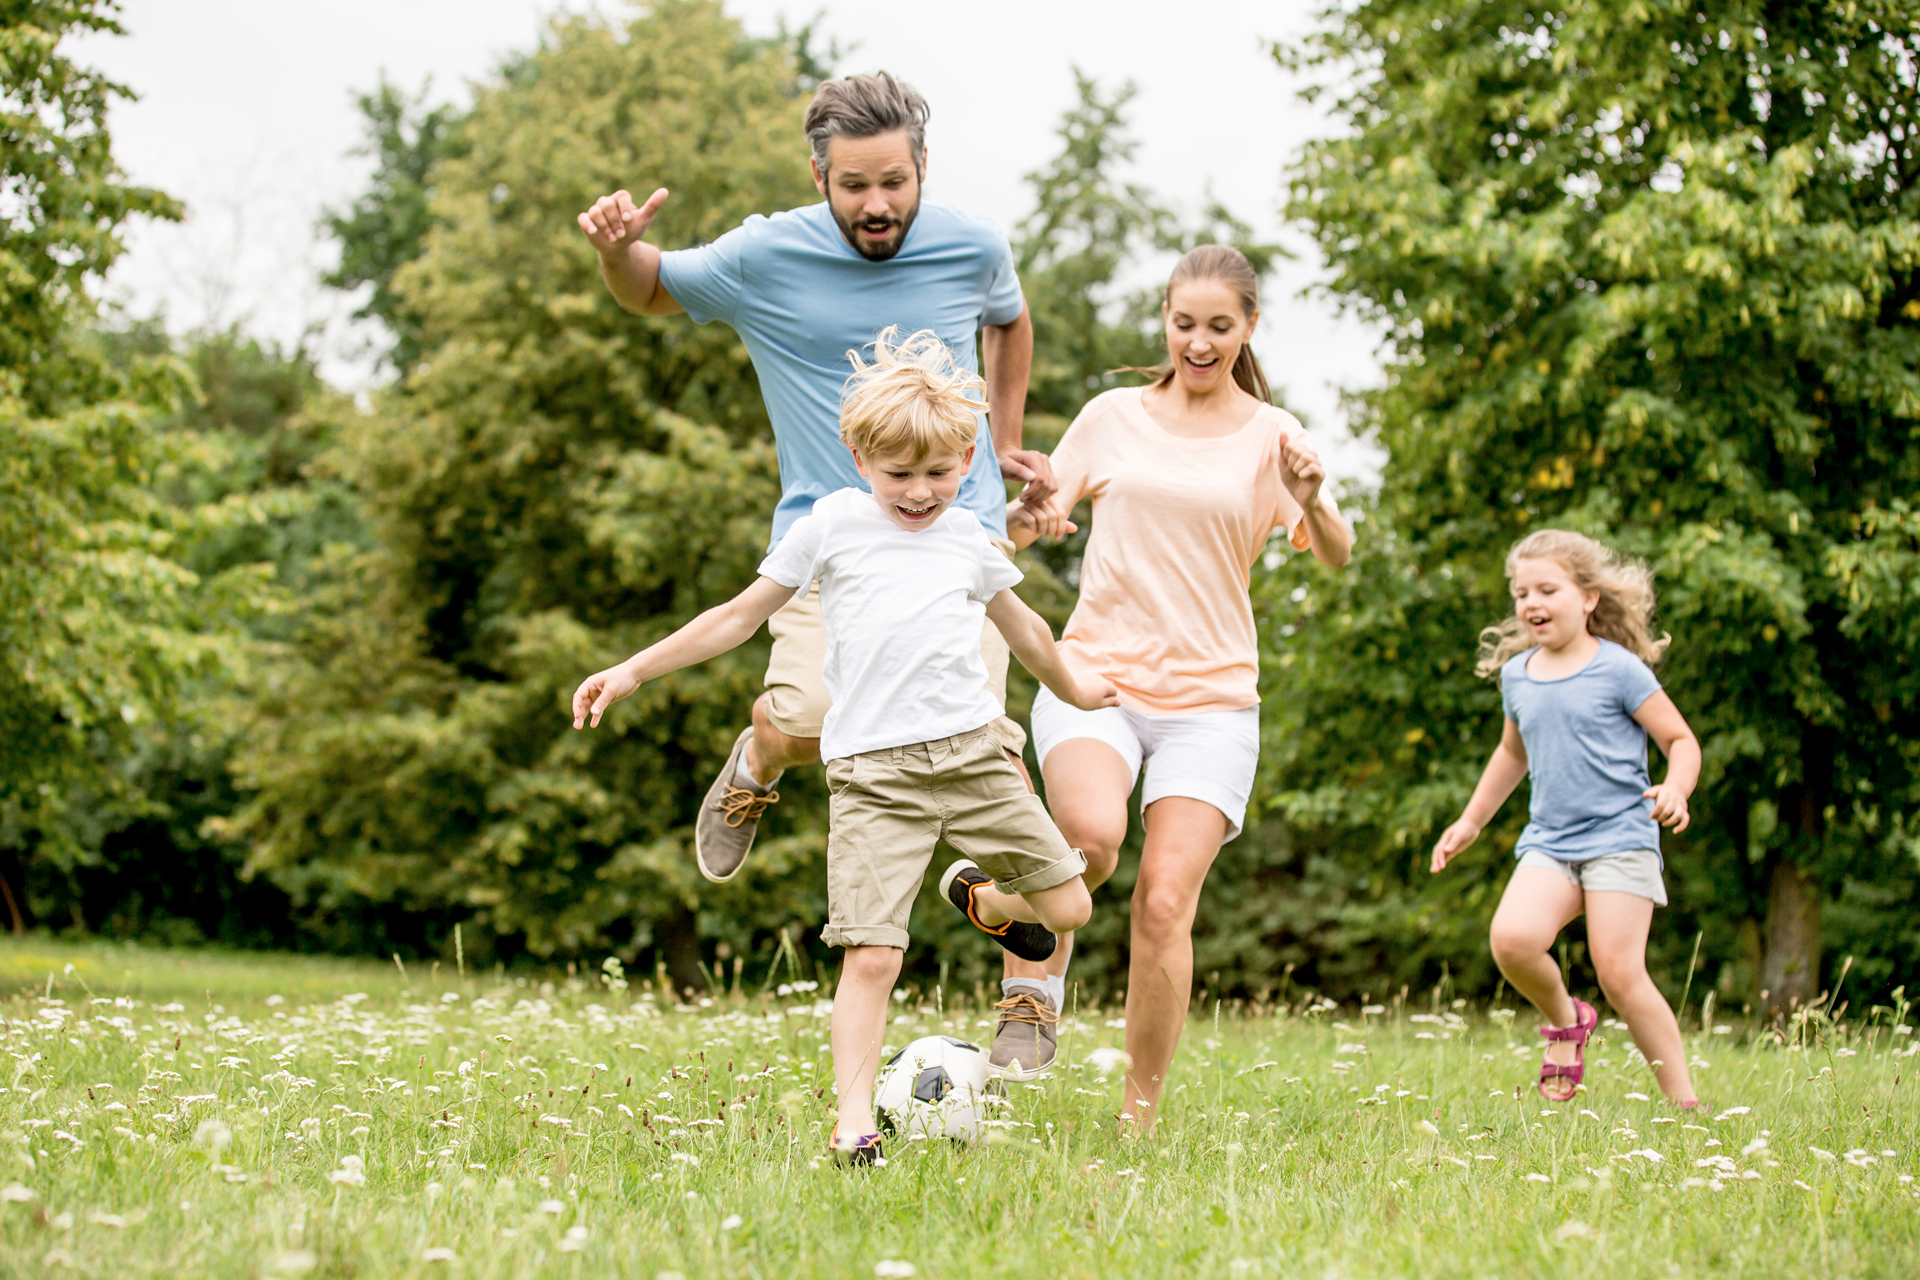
(1183, 838)
(1617, 926)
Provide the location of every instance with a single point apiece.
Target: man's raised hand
(615, 221)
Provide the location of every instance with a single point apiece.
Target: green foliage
(65, 199)
(1647, 271)
(387, 224)
(553, 484)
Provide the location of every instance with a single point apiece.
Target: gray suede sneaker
(729, 817)
(1025, 1043)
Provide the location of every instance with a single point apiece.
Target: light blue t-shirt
(1587, 755)
(800, 297)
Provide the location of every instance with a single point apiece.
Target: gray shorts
(1636, 871)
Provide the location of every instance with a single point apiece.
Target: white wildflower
(1106, 1060)
(437, 1255)
(894, 1269)
(732, 1222)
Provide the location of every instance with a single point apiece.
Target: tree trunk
(678, 937)
(1791, 972)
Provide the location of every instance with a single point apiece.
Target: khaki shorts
(1635, 871)
(797, 698)
(890, 806)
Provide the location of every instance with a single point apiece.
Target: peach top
(1177, 525)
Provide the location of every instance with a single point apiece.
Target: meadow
(186, 1113)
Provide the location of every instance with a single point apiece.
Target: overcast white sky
(246, 113)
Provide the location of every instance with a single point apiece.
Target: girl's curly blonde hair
(1624, 614)
(911, 400)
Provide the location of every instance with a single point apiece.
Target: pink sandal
(1585, 1019)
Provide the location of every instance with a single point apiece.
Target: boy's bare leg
(867, 975)
(1061, 909)
(1617, 925)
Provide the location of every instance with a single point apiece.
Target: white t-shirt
(904, 609)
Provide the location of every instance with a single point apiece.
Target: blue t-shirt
(800, 297)
(1587, 755)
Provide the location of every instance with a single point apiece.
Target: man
(803, 288)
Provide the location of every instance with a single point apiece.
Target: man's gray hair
(864, 107)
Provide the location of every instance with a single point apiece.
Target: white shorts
(1210, 757)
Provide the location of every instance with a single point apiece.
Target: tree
(100, 623)
(553, 482)
(1648, 271)
(387, 224)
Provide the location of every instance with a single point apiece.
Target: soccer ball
(935, 1087)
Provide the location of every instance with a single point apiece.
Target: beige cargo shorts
(890, 806)
(797, 698)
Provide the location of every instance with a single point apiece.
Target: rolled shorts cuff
(1061, 871)
(793, 714)
(1231, 802)
(1634, 871)
(865, 935)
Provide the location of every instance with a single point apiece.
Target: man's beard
(868, 249)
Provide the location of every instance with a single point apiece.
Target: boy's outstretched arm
(1031, 640)
(723, 627)
(1497, 781)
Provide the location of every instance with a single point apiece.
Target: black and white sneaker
(1028, 941)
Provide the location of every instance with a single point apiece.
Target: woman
(1188, 476)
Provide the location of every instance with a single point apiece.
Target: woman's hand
(599, 691)
(1669, 806)
(1301, 470)
(1455, 838)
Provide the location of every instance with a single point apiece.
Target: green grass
(177, 1113)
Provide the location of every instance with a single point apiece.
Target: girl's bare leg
(1617, 925)
(1537, 905)
(1183, 838)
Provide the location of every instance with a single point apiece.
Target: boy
(906, 577)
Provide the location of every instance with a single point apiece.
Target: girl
(1189, 476)
(1580, 702)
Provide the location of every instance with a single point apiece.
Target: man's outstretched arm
(629, 265)
(1007, 352)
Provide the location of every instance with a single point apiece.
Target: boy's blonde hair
(1624, 614)
(911, 400)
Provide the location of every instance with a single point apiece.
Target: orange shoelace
(741, 805)
(1024, 1006)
